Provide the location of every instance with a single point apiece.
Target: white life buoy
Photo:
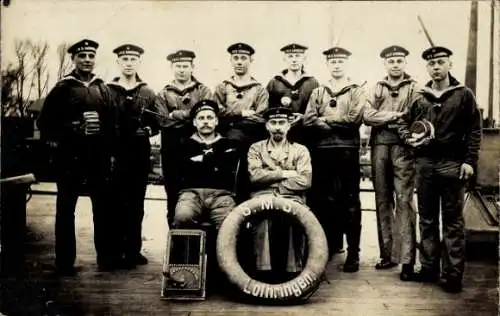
(298, 288)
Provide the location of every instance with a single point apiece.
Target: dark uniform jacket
(61, 120)
(298, 93)
(341, 112)
(131, 117)
(203, 165)
(456, 119)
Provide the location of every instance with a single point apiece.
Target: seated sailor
(281, 168)
(207, 164)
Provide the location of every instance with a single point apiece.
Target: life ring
(297, 289)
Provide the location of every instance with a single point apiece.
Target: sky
(208, 28)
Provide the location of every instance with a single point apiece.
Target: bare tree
(65, 63)
(40, 75)
(39, 55)
(24, 70)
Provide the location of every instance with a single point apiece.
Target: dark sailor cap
(204, 105)
(293, 48)
(337, 52)
(85, 45)
(241, 48)
(278, 112)
(435, 52)
(181, 55)
(394, 51)
(128, 49)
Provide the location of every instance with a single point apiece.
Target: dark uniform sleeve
(407, 119)
(47, 122)
(273, 98)
(473, 132)
(110, 119)
(150, 119)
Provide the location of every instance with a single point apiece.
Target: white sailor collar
(116, 82)
(73, 76)
(197, 138)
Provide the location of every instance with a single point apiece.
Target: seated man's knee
(183, 219)
(221, 209)
(186, 212)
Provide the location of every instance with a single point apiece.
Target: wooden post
(491, 79)
(471, 66)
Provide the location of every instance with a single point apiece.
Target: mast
(471, 66)
(491, 79)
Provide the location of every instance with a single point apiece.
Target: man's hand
(396, 116)
(247, 113)
(466, 171)
(290, 174)
(417, 140)
(296, 118)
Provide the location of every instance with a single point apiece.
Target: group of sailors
(295, 138)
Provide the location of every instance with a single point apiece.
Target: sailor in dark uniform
(334, 114)
(175, 101)
(133, 149)
(78, 121)
(292, 88)
(242, 100)
(446, 146)
(207, 164)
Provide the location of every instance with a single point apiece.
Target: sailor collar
(407, 79)
(116, 82)
(242, 87)
(302, 78)
(173, 87)
(197, 138)
(394, 89)
(73, 76)
(440, 96)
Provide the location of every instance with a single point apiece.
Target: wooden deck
(137, 292)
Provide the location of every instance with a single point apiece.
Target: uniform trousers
(394, 183)
(215, 204)
(84, 169)
(335, 195)
(133, 166)
(439, 188)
